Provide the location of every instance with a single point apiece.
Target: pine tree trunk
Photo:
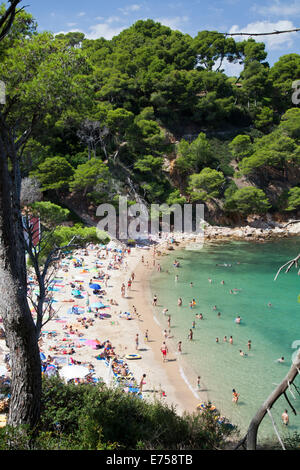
(20, 330)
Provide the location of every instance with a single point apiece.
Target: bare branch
(262, 34)
(289, 265)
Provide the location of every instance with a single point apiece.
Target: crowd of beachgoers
(87, 298)
(79, 300)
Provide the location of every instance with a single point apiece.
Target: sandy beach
(170, 374)
(79, 333)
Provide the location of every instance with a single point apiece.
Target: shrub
(92, 417)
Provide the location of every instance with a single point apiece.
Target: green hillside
(151, 114)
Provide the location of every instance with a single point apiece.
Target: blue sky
(98, 18)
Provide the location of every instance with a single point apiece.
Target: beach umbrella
(95, 286)
(76, 292)
(42, 356)
(92, 342)
(98, 305)
(3, 371)
(50, 370)
(73, 372)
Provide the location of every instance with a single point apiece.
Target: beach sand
(160, 377)
(169, 374)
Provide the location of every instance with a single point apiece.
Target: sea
(230, 280)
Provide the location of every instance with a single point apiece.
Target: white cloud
(114, 19)
(103, 30)
(106, 28)
(278, 8)
(176, 22)
(82, 13)
(130, 8)
(275, 41)
(231, 69)
(69, 31)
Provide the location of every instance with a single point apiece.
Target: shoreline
(179, 392)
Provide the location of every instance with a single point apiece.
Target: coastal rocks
(252, 233)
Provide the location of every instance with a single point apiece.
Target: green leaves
(194, 156)
(248, 200)
(50, 214)
(205, 185)
(212, 47)
(148, 164)
(89, 175)
(241, 146)
(54, 173)
(272, 150)
(293, 202)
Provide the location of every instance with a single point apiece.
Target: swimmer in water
(179, 302)
(238, 319)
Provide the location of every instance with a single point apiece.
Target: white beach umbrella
(3, 371)
(73, 372)
(109, 373)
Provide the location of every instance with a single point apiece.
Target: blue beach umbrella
(76, 292)
(98, 305)
(95, 286)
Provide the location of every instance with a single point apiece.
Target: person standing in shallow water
(198, 382)
(164, 351)
(235, 396)
(285, 418)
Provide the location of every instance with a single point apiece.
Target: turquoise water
(271, 329)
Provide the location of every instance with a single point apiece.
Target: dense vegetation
(88, 417)
(152, 115)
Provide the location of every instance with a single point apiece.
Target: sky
(98, 18)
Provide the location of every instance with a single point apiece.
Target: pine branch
(262, 34)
